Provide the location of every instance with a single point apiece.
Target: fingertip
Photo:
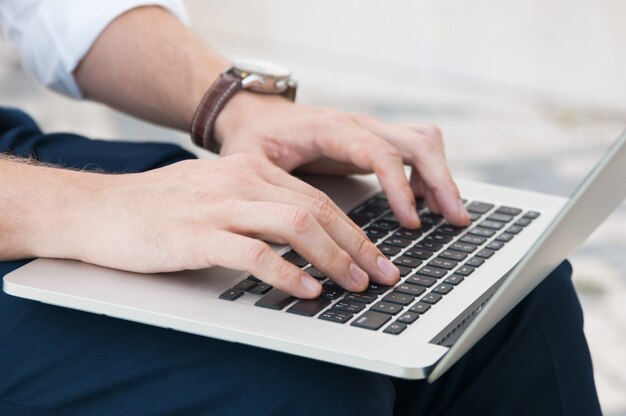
(311, 286)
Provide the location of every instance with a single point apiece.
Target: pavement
(494, 132)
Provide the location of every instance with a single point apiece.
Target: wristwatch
(250, 75)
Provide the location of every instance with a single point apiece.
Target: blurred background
(528, 94)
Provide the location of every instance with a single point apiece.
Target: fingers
(256, 257)
(300, 228)
(358, 246)
(369, 152)
(422, 147)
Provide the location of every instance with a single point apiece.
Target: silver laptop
(456, 283)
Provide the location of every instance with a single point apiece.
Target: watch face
(265, 68)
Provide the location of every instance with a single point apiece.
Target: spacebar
(275, 299)
(309, 307)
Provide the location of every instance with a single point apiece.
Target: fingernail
(358, 275)
(311, 285)
(386, 267)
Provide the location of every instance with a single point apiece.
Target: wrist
(238, 111)
(49, 211)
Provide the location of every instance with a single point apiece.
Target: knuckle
(364, 248)
(323, 209)
(284, 272)
(299, 220)
(259, 251)
(432, 130)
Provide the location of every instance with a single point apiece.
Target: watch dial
(261, 67)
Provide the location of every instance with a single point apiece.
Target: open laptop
(457, 282)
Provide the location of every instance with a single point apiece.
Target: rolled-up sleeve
(52, 36)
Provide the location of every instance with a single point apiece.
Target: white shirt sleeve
(52, 36)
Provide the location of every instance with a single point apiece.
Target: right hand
(197, 214)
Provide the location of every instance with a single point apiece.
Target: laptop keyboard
(432, 260)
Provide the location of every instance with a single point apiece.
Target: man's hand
(317, 140)
(198, 214)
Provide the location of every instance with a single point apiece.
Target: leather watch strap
(216, 97)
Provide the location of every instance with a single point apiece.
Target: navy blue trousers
(57, 361)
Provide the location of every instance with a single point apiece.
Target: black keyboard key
(386, 307)
(523, 222)
(426, 281)
(275, 299)
(440, 238)
(231, 294)
(475, 262)
(495, 245)
(408, 317)
(407, 261)
(431, 298)
(464, 247)
(408, 234)
(399, 298)
(420, 203)
(481, 232)
(443, 289)
(395, 328)
(388, 251)
(455, 279)
(340, 317)
(453, 255)
(309, 307)
(380, 195)
(397, 242)
(432, 272)
(349, 306)
(420, 308)
(390, 217)
(361, 297)
(492, 225)
(371, 320)
(443, 263)
(245, 285)
(428, 218)
(418, 253)
(377, 289)
(404, 271)
(514, 229)
(505, 237)
(508, 210)
(359, 220)
(473, 239)
(261, 289)
(473, 216)
(385, 225)
(464, 270)
(295, 258)
(332, 291)
(500, 217)
(479, 207)
(375, 232)
(254, 278)
(370, 211)
(450, 229)
(315, 273)
(409, 289)
(428, 245)
(485, 253)
(532, 215)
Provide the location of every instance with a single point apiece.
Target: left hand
(325, 141)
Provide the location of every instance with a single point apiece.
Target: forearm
(39, 208)
(148, 64)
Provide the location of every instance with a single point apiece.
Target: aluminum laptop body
(189, 301)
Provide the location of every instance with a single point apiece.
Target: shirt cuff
(56, 41)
